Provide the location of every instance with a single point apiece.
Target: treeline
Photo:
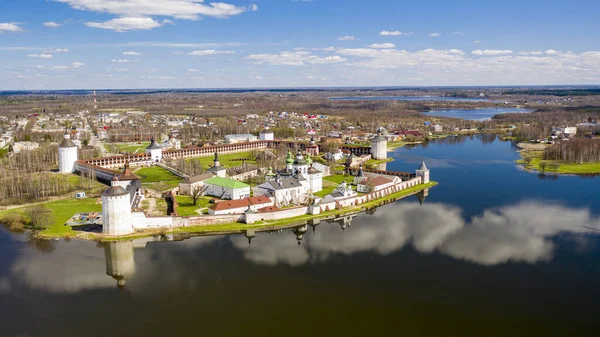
(17, 188)
(38, 160)
(576, 150)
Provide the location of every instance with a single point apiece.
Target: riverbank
(238, 228)
(533, 160)
(61, 213)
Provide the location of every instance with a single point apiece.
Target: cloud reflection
(519, 233)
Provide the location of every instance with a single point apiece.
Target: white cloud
(530, 53)
(73, 65)
(10, 27)
(435, 34)
(459, 33)
(347, 38)
(208, 52)
(179, 9)
(124, 61)
(551, 52)
(476, 42)
(492, 52)
(382, 45)
(296, 58)
(59, 50)
(132, 53)
(192, 70)
(52, 24)
(393, 33)
(126, 23)
(41, 56)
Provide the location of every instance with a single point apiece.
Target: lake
(408, 98)
(474, 114)
(492, 251)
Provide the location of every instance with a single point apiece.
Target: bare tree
(196, 194)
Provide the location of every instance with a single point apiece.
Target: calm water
(493, 251)
(474, 114)
(407, 98)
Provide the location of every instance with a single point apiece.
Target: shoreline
(535, 152)
(240, 228)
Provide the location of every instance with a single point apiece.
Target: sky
(130, 44)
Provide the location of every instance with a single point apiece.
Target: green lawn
(158, 178)
(127, 147)
(338, 178)
(61, 212)
(225, 159)
(565, 168)
(186, 208)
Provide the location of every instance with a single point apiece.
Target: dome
(153, 145)
(289, 159)
(115, 191)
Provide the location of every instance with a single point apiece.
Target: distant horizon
(324, 88)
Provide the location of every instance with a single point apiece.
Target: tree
(554, 166)
(39, 217)
(196, 193)
(527, 159)
(543, 165)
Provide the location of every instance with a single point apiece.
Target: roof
(153, 145)
(199, 177)
(115, 191)
(282, 184)
(67, 142)
(377, 181)
(216, 169)
(127, 174)
(423, 166)
(312, 170)
(224, 182)
(268, 209)
(258, 200)
(266, 131)
(231, 204)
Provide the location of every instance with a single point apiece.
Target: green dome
(289, 159)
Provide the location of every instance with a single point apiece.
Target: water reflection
(522, 233)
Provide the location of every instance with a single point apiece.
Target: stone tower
(116, 210)
(423, 172)
(266, 134)
(154, 150)
(379, 147)
(67, 155)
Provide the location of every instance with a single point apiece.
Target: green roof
(224, 182)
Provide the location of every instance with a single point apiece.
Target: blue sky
(71, 44)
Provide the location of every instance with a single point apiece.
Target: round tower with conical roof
(116, 210)
(67, 154)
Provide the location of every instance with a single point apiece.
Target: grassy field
(127, 147)
(331, 182)
(157, 178)
(564, 168)
(61, 212)
(338, 178)
(186, 208)
(225, 159)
